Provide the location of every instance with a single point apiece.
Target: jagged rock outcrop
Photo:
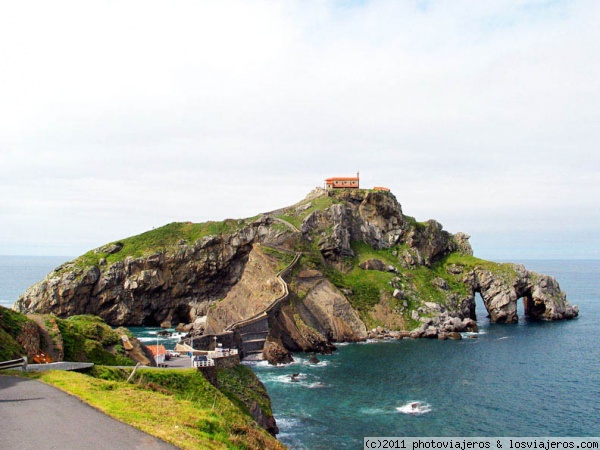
(264, 420)
(377, 264)
(275, 353)
(312, 323)
(371, 217)
(429, 242)
(326, 310)
(376, 218)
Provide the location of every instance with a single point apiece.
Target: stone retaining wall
(227, 362)
(210, 373)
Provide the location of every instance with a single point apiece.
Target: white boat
(415, 408)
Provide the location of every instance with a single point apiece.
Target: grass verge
(177, 406)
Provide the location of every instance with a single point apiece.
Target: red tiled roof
(160, 351)
(342, 179)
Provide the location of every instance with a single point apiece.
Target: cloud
(119, 117)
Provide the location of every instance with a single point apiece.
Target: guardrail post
(25, 363)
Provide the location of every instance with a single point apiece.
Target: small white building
(158, 352)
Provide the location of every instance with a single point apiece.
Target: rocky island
(340, 265)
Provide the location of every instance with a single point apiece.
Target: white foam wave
(474, 333)
(295, 362)
(289, 378)
(319, 364)
(288, 423)
(373, 411)
(263, 363)
(301, 380)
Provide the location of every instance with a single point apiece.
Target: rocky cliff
(365, 266)
(168, 284)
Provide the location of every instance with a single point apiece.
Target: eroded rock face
(371, 217)
(275, 353)
(376, 218)
(312, 323)
(257, 288)
(430, 242)
(264, 420)
(175, 287)
(326, 309)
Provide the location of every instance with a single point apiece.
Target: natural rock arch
(501, 290)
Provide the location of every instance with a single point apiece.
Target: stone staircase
(254, 330)
(254, 335)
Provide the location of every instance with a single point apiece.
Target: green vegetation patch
(9, 347)
(367, 286)
(178, 406)
(284, 258)
(12, 321)
(296, 214)
(86, 338)
(11, 324)
(467, 262)
(240, 384)
(159, 239)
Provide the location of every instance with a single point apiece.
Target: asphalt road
(37, 416)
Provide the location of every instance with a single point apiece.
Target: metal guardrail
(15, 364)
(207, 363)
(222, 353)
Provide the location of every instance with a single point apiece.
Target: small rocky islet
(356, 267)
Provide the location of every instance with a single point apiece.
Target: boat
(414, 408)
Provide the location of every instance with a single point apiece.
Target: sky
(121, 116)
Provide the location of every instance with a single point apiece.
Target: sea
(526, 379)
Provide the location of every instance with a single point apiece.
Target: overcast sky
(120, 116)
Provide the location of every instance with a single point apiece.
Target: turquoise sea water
(528, 379)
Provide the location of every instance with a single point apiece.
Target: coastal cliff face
(366, 269)
(175, 285)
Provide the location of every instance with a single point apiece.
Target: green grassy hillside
(159, 239)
